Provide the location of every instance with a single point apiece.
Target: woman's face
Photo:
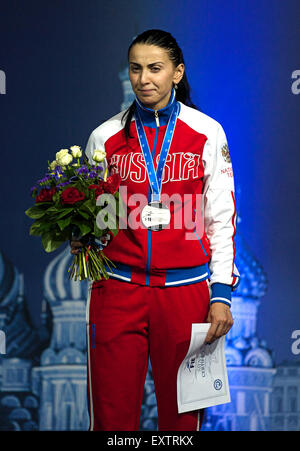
(152, 75)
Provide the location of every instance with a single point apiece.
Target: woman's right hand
(77, 245)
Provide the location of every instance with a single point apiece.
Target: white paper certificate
(202, 379)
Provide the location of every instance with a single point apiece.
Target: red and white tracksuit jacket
(198, 162)
(164, 280)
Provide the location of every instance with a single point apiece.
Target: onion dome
(248, 352)
(258, 355)
(67, 299)
(22, 339)
(233, 356)
(9, 286)
(66, 356)
(57, 285)
(253, 283)
(18, 413)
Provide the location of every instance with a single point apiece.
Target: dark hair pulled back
(166, 41)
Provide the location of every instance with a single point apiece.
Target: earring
(175, 86)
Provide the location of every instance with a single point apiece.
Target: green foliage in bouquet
(66, 208)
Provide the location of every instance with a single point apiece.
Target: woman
(168, 276)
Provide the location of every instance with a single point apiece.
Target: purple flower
(60, 185)
(57, 177)
(73, 179)
(44, 180)
(58, 169)
(92, 174)
(82, 170)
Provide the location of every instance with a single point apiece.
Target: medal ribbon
(155, 178)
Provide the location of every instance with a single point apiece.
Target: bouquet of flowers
(66, 208)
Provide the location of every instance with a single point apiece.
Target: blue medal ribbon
(155, 178)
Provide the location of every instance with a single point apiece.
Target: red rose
(112, 183)
(45, 195)
(71, 196)
(98, 189)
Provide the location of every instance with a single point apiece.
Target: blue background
(62, 59)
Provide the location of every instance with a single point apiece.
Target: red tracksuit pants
(126, 323)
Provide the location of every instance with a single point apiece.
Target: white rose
(64, 160)
(53, 165)
(99, 155)
(76, 151)
(61, 153)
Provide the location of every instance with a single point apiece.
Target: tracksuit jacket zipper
(149, 199)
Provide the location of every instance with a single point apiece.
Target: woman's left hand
(221, 320)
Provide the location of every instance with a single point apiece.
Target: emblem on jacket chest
(225, 153)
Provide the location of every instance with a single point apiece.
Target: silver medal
(155, 216)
